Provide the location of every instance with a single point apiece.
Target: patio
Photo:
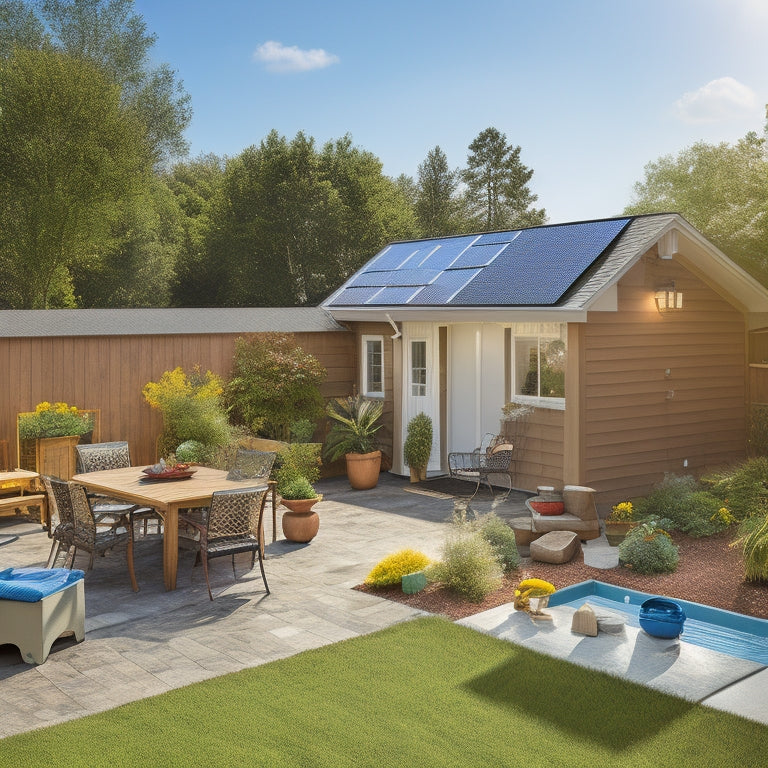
(141, 644)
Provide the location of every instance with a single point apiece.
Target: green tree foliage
(436, 203)
(722, 189)
(273, 384)
(498, 195)
(289, 224)
(71, 154)
(109, 35)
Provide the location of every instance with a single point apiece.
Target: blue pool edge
(717, 616)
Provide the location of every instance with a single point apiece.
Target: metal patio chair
(493, 457)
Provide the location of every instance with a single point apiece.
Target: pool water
(734, 634)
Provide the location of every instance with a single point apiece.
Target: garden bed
(710, 572)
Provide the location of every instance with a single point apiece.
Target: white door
(421, 382)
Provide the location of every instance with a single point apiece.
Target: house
(635, 344)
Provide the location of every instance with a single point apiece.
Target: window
(373, 366)
(419, 368)
(539, 354)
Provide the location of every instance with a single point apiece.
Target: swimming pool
(734, 634)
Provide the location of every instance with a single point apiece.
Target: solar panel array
(527, 267)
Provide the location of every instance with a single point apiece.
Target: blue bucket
(660, 617)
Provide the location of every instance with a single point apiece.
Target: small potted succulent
(619, 522)
(299, 523)
(418, 446)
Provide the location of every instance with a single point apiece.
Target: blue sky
(591, 90)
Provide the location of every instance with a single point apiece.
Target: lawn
(423, 693)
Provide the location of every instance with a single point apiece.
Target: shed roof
(557, 270)
(142, 322)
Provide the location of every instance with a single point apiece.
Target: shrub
(392, 568)
(57, 420)
(649, 549)
(502, 539)
(468, 566)
(297, 460)
(298, 488)
(191, 451)
(418, 442)
(274, 383)
(754, 544)
(743, 488)
(192, 408)
(302, 430)
(681, 501)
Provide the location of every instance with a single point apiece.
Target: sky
(591, 90)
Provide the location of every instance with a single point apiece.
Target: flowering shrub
(621, 513)
(392, 568)
(54, 420)
(192, 408)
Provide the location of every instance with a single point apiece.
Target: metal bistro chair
(230, 526)
(492, 458)
(72, 504)
(96, 457)
(251, 464)
(63, 532)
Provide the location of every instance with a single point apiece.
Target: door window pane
(419, 368)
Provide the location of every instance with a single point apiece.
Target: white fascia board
(460, 314)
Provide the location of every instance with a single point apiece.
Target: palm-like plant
(356, 423)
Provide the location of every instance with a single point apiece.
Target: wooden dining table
(167, 497)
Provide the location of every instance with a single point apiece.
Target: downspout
(398, 334)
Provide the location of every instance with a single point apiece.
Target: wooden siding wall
(538, 449)
(392, 367)
(660, 390)
(109, 372)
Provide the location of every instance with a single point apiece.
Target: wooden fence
(108, 373)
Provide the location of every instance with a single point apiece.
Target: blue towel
(29, 585)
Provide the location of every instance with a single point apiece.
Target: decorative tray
(169, 473)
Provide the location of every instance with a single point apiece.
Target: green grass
(423, 693)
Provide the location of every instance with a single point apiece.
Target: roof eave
(492, 314)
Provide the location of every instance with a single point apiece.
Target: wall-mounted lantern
(668, 299)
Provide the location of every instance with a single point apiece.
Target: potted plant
(353, 436)
(619, 522)
(418, 446)
(47, 438)
(300, 523)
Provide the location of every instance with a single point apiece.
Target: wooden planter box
(53, 456)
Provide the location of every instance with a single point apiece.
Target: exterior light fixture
(668, 299)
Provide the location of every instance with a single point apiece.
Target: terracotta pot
(615, 532)
(363, 469)
(300, 526)
(300, 505)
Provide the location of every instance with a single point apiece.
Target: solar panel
(541, 264)
(441, 291)
(478, 256)
(528, 267)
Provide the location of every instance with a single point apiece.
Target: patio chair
(230, 526)
(250, 464)
(493, 457)
(96, 457)
(89, 533)
(62, 521)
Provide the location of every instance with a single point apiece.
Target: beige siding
(661, 390)
(539, 449)
(109, 372)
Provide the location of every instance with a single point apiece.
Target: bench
(579, 513)
(20, 505)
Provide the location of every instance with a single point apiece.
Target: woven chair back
(235, 514)
(95, 457)
(250, 464)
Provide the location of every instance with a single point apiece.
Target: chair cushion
(548, 507)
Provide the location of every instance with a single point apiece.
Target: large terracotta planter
(300, 523)
(54, 456)
(363, 469)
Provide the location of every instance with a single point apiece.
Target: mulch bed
(710, 572)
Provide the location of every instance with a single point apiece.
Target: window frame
(364, 379)
(553, 403)
(411, 380)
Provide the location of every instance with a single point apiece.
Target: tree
(497, 184)
(109, 35)
(289, 224)
(71, 154)
(436, 202)
(722, 189)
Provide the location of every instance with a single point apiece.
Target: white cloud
(720, 99)
(290, 58)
